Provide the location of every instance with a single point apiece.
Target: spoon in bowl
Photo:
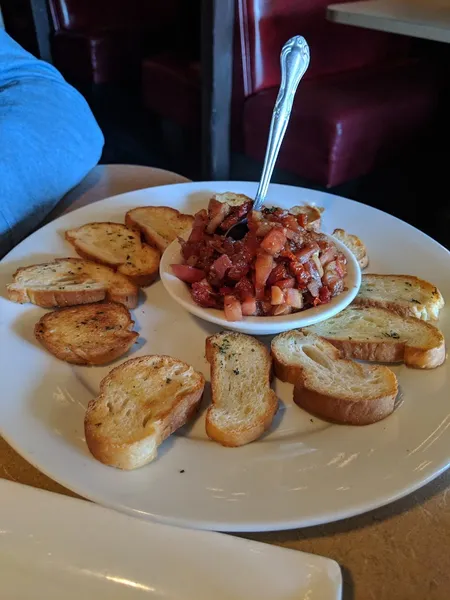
(294, 62)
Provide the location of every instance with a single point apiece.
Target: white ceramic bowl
(260, 325)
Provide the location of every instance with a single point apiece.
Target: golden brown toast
(406, 295)
(70, 281)
(90, 334)
(160, 225)
(380, 335)
(333, 388)
(243, 403)
(118, 247)
(141, 403)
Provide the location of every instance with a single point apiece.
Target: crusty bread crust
(330, 405)
(140, 277)
(286, 371)
(429, 355)
(414, 357)
(137, 450)
(55, 298)
(150, 235)
(91, 334)
(426, 311)
(143, 280)
(243, 434)
(343, 410)
(117, 287)
(355, 245)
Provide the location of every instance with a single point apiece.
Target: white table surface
(427, 19)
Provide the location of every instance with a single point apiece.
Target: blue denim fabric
(49, 140)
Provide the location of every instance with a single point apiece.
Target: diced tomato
(299, 272)
(266, 307)
(314, 288)
(225, 290)
(281, 309)
(236, 214)
(327, 255)
(341, 265)
(249, 307)
(187, 273)
(251, 245)
(312, 269)
(306, 252)
(217, 211)
(332, 279)
(294, 298)
(276, 268)
(232, 308)
(289, 255)
(238, 270)
(198, 228)
(285, 284)
(302, 220)
(291, 223)
(277, 296)
(255, 218)
(264, 229)
(203, 294)
(273, 243)
(324, 294)
(277, 273)
(221, 265)
(263, 267)
(245, 289)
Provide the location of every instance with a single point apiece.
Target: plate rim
(255, 526)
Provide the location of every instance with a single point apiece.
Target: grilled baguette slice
(160, 225)
(243, 404)
(380, 335)
(232, 199)
(91, 334)
(355, 245)
(141, 403)
(333, 388)
(406, 295)
(116, 246)
(70, 281)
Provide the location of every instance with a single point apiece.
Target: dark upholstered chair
(363, 100)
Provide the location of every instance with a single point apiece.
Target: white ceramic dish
(67, 548)
(259, 325)
(302, 472)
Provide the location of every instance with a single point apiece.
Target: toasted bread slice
(160, 225)
(329, 386)
(141, 403)
(243, 404)
(313, 214)
(380, 335)
(232, 199)
(70, 281)
(406, 295)
(116, 246)
(355, 245)
(91, 334)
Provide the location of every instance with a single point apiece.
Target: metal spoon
(294, 62)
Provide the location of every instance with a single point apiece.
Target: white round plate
(260, 325)
(302, 472)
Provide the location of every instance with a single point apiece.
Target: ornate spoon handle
(294, 62)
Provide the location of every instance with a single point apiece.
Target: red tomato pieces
(279, 267)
